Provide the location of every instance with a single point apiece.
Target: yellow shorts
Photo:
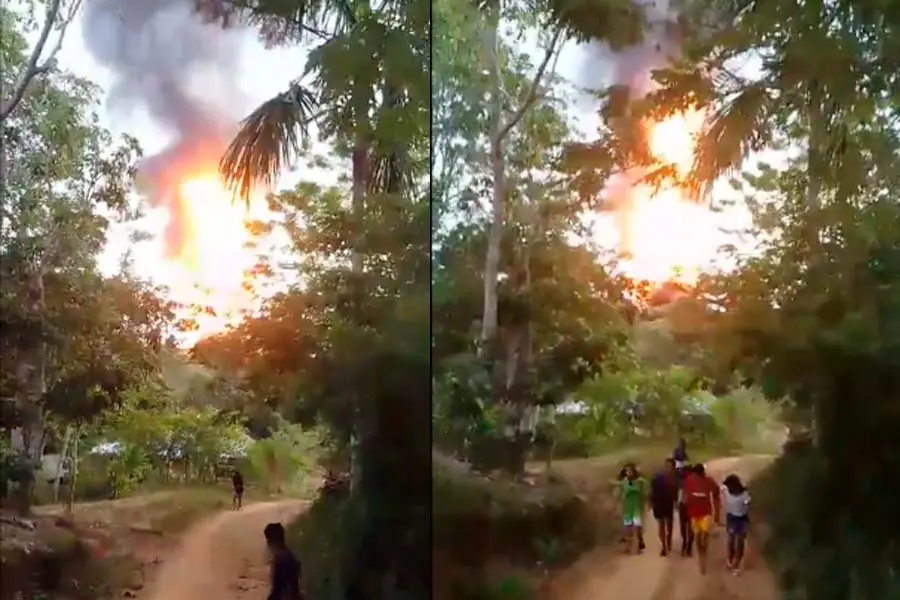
(701, 525)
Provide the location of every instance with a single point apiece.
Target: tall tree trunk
(31, 376)
(360, 185)
(73, 479)
(818, 122)
(60, 465)
(489, 319)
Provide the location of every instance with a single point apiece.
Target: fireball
(214, 261)
(207, 256)
(664, 234)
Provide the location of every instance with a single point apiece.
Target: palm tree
(362, 65)
(824, 67)
(366, 88)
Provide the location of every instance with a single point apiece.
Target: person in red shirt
(702, 504)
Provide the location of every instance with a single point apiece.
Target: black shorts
(664, 512)
(238, 491)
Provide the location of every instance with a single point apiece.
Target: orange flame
(210, 270)
(668, 235)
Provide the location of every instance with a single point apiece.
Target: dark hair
(624, 472)
(734, 485)
(274, 534)
(699, 469)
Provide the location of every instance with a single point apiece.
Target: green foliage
(620, 23)
(811, 318)
(510, 587)
(358, 52)
(126, 470)
(324, 537)
(293, 452)
(150, 431)
(73, 338)
(631, 399)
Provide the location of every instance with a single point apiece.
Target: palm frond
(391, 167)
(732, 132)
(268, 140)
(391, 174)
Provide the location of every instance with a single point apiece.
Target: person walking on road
(684, 521)
(237, 484)
(702, 501)
(736, 501)
(633, 495)
(285, 574)
(680, 454)
(663, 497)
(640, 535)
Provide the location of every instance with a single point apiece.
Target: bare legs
(737, 541)
(664, 527)
(629, 538)
(702, 548)
(634, 536)
(684, 528)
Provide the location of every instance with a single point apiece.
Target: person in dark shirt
(680, 456)
(285, 575)
(640, 534)
(237, 482)
(663, 497)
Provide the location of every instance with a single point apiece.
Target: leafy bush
(321, 538)
(126, 470)
(819, 548)
(286, 460)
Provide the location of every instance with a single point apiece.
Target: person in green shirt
(633, 495)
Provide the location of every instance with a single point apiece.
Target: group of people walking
(685, 490)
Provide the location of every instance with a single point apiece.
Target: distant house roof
(114, 448)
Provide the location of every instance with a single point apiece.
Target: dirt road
(222, 557)
(649, 576)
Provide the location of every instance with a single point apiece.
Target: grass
(116, 538)
(319, 536)
(165, 511)
(493, 530)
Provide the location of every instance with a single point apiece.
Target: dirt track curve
(222, 557)
(649, 576)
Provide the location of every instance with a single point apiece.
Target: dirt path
(222, 557)
(649, 576)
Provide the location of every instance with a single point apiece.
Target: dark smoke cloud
(602, 67)
(157, 51)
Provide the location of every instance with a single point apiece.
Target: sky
(582, 67)
(263, 73)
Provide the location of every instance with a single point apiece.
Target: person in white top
(736, 502)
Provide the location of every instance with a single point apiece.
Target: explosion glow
(179, 69)
(208, 269)
(665, 232)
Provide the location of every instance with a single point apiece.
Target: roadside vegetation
(542, 351)
(326, 383)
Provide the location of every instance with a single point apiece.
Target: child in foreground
(736, 501)
(633, 495)
(702, 502)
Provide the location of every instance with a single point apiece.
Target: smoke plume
(631, 67)
(157, 51)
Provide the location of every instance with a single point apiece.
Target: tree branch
(531, 96)
(32, 68)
